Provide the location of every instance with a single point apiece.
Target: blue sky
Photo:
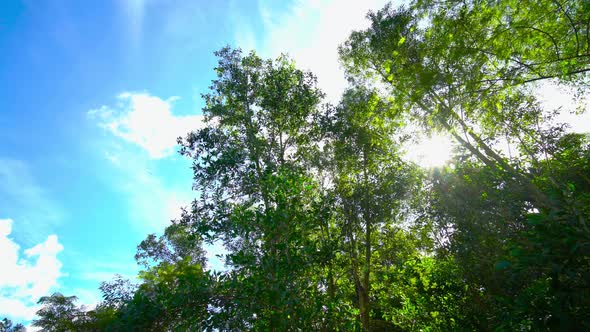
(92, 98)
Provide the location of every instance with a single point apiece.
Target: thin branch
(571, 23)
(545, 33)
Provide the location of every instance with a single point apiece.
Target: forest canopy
(327, 224)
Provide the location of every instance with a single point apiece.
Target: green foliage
(517, 225)
(530, 265)
(58, 314)
(116, 292)
(177, 243)
(371, 182)
(171, 297)
(427, 294)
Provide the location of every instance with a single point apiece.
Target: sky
(92, 98)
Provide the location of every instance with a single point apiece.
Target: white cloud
(175, 202)
(310, 31)
(154, 197)
(146, 121)
(89, 298)
(17, 309)
(24, 279)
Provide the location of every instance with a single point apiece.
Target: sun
(431, 152)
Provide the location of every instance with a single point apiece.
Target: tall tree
(255, 195)
(371, 182)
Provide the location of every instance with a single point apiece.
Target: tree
(426, 293)
(6, 326)
(171, 297)
(102, 318)
(177, 243)
(371, 182)
(255, 194)
(116, 292)
(58, 314)
(525, 268)
(173, 294)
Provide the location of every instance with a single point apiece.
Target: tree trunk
(365, 308)
(364, 303)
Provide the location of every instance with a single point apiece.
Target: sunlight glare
(430, 152)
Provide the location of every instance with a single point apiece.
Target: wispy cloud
(146, 121)
(243, 32)
(100, 276)
(23, 197)
(152, 199)
(135, 12)
(25, 278)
